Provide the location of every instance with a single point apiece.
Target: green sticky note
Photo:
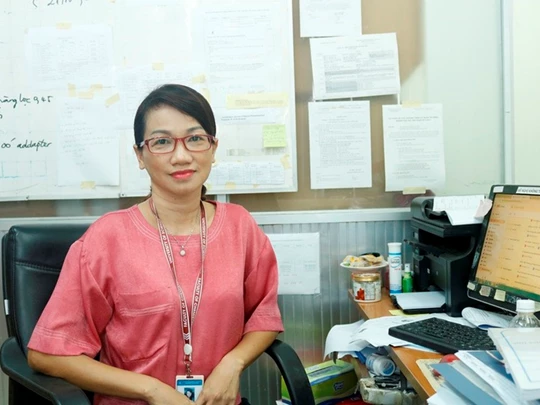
(274, 136)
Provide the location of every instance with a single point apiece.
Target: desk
(404, 358)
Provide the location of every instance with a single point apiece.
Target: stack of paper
(478, 377)
(520, 348)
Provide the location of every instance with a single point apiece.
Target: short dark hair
(182, 98)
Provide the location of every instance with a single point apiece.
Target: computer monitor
(506, 264)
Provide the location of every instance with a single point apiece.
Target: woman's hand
(162, 394)
(222, 385)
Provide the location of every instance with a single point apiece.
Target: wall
(526, 77)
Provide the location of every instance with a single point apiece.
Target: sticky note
(63, 26)
(286, 162)
(96, 87)
(112, 99)
(414, 190)
(274, 136)
(86, 95)
(158, 66)
(72, 90)
(206, 94)
(230, 185)
(198, 79)
(258, 100)
(88, 184)
(411, 104)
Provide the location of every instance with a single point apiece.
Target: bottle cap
(525, 306)
(394, 247)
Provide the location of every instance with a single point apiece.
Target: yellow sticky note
(96, 87)
(399, 312)
(86, 95)
(206, 94)
(63, 26)
(112, 99)
(72, 90)
(158, 66)
(274, 136)
(230, 185)
(411, 104)
(259, 100)
(198, 79)
(88, 184)
(414, 190)
(285, 161)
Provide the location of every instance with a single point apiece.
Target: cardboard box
(330, 382)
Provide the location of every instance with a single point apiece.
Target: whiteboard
(77, 70)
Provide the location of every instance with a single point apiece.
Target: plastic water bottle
(380, 365)
(525, 315)
(394, 262)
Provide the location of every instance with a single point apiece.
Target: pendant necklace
(183, 246)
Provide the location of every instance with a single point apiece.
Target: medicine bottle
(380, 365)
(394, 264)
(525, 315)
(407, 282)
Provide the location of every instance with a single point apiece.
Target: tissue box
(329, 381)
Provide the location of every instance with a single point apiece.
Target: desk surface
(405, 358)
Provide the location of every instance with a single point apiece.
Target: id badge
(190, 386)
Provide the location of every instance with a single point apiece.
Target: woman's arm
(92, 375)
(222, 385)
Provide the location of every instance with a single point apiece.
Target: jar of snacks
(366, 287)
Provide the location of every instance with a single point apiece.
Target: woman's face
(179, 172)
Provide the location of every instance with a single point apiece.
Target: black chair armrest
(56, 390)
(293, 372)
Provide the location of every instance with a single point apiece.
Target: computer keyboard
(443, 336)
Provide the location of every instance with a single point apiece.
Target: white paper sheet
(88, 148)
(240, 48)
(298, 257)
(461, 210)
(339, 339)
(247, 173)
(359, 66)
(323, 18)
(413, 147)
(340, 144)
(81, 56)
(485, 319)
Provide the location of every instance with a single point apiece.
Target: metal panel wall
(308, 318)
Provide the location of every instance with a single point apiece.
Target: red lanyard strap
(187, 323)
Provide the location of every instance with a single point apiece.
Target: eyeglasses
(167, 144)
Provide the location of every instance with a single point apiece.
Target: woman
(174, 289)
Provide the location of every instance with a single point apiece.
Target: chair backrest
(32, 258)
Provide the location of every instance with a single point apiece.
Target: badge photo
(190, 386)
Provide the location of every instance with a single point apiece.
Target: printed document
(355, 66)
(413, 146)
(298, 257)
(323, 18)
(461, 210)
(340, 144)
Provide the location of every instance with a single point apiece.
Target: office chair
(32, 256)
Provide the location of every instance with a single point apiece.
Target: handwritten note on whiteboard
(298, 256)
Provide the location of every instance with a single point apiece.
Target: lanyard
(187, 323)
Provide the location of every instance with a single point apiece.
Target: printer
(442, 254)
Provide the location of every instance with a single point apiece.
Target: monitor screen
(506, 264)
